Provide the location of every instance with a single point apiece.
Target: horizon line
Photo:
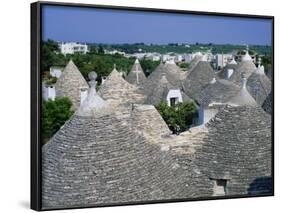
(145, 43)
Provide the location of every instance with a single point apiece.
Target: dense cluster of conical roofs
(116, 148)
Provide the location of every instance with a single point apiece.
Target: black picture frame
(36, 38)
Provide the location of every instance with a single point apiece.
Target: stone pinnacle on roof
(93, 105)
(243, 98)
(246, 57)
(70, 83)
(260, 68)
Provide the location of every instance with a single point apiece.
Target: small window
(219, 187)
(173, 101)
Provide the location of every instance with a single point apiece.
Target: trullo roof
(119, 91)
(136, 76)
(70, 83)
(198, 78)
(101, 158)
(238, 148)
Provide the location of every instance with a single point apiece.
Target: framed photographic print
(141, 105)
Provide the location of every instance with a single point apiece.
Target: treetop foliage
(178, 118)
(54, 114)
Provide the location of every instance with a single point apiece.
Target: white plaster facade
(222, 59)
(173, 97)
(83, 94)
(206, 113)
(48, 92)
(188, 57)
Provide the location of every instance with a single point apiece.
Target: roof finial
(114, 66)
(247, 57)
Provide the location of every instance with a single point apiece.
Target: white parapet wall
(206, 113)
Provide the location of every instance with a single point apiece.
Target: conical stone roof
(269, 73)
(238, 148)
(149, 123)
(172, 71)
(136, 76)
(198, 78)
(119, 91)
(259, 86)
(244, 67)
(102, 159)
(195, 61)
(243, 97)
(219, 92)
(267, 104)
(70, 83)
(159, 91)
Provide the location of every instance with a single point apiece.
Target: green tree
(178, 118)
(148, 66)
(183, 65)
(100, 50)
(54, 114)
(51, 55)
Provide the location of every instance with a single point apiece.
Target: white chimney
(51, 92)
(103, 79)
(83, 94)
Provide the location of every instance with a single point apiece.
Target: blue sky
(63, 23)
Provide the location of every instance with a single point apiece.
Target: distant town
(218, 55)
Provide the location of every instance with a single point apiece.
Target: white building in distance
(73, 47)
(222, 59)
